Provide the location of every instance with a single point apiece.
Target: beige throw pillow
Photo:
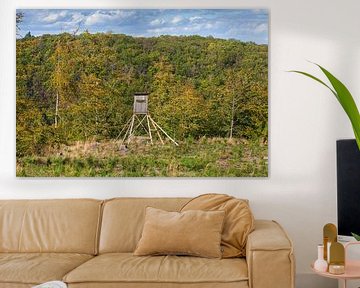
(194, 232)
(239, 220)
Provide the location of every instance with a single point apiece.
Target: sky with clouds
(242, 24)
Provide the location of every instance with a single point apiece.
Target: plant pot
(348, 187)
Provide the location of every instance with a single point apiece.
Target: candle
(336, 269)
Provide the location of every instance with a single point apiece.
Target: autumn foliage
(85, 83)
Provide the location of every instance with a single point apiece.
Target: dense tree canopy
(86, 83)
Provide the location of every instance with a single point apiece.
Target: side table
(352, 268)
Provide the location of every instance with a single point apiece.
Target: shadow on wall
(315, 281)
(327, 34)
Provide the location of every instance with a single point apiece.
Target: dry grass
(220, 157)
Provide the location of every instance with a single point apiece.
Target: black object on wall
(348, 187)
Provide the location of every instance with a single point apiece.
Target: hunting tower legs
(148, 124)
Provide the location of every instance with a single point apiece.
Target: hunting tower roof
(140, 93)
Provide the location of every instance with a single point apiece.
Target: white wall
(305, 120)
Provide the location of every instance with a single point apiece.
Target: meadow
(205, 157)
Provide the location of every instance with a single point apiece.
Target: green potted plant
(344, 97)
(346, 100)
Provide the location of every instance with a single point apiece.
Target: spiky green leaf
(356, 236)
(347, 102)
(316, 79)
(344, 97)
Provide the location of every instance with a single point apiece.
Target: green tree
(19, 19)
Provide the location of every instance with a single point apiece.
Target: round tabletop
(352, 271)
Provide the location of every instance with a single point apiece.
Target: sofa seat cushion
(127, 268)
(36, 268)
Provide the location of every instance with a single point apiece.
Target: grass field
(207, 157)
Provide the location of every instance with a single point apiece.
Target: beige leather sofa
(89, 243)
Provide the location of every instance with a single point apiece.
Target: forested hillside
(74, 92)
(192, 83)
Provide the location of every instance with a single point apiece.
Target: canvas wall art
(142, 93)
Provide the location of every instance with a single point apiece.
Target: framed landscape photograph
(142, 92)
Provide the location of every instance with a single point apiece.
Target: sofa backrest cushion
(123, 220)
(66, 226)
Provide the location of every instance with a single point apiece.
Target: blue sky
(241, 24)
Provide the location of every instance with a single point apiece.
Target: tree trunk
(232, 117)
(57, 109)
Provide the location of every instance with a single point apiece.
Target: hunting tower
(141, 119)
(141, 103)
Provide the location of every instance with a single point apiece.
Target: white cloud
(163, 30)
(263, 27)
(198, 27)
(53, 17)
(65, 20)
(106, 16)
(195, 18)
(259, 11)
(176, 19)
(77, 17)
(181, 30)
(157, 22)
(97, 17)
(235, 31)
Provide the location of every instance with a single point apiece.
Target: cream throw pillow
(193, 232)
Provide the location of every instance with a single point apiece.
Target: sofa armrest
(269, 255)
